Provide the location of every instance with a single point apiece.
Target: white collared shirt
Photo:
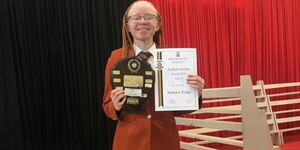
(137, 50)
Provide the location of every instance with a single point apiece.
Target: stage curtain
(53, 57)
(237, 37)
(260, 38)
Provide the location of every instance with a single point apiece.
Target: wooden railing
(258, 126)
(284, 100)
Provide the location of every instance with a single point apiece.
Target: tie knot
(144, 55)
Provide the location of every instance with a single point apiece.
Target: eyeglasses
(137, 18)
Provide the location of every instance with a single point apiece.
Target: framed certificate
(172, 66)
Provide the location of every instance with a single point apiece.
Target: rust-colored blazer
(150, 130)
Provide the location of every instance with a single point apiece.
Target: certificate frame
(172, 66)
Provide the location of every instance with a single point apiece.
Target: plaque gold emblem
(134, 65)
(132, 101)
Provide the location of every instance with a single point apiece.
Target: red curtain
(236, 37)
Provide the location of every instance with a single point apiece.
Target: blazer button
(149, 116)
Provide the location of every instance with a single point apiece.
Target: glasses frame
(146, 17)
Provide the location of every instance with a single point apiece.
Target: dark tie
(144, 55)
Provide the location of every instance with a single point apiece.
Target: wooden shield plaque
(136, 77)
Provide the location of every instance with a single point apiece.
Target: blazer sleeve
(179, 113)
(107, 104)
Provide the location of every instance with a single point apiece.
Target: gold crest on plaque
(134, 65)
(132, 101)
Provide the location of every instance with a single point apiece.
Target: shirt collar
(137, 50)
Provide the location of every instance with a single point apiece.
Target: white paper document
(172, 67)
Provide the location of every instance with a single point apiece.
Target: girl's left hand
(196, 82)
